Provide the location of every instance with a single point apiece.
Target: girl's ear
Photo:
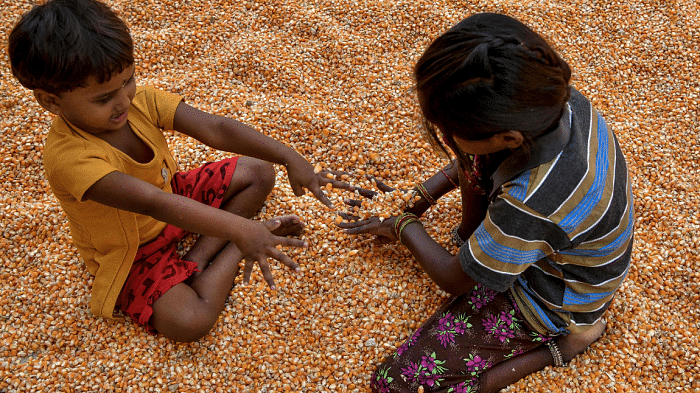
(48, 101)
(512, 139)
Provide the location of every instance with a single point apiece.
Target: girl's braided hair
(489, 74)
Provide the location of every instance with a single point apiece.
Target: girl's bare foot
(574, 344)
(289, 226)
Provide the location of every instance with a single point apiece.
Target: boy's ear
(513, 139)
(48, 101)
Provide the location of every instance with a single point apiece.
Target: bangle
(404, 224)
(424, 193)
(456, 239)
(449, 178)
(400, 220)
(556, 354)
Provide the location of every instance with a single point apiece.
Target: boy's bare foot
(289, 226)
(574, 344)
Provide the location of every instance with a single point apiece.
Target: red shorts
(157, 266)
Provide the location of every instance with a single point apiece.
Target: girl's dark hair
(489, 74)
(57, 46)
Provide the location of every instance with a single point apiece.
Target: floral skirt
(468, 335)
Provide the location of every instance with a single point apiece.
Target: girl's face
(98, 108)
(493, 144)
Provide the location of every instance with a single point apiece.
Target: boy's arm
(253, 238)
(226, 134)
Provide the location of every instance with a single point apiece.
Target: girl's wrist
(402, 221)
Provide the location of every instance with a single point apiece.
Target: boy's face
(98, 108)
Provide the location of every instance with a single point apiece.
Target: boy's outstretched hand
(303, 176)
(260, 243)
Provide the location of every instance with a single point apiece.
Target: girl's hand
(369, 194)
(384, 230)
(260, 243)
(302, 176)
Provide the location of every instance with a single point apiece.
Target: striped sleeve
(510, 239)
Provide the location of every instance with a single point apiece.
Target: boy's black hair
(58, 45)
(489, 74)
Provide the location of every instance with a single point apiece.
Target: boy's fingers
(247, 270)
(321, 196)
(286, 260)
(271, 225)
(290, 242)
(354, 224)
(342, 185)
(297, 189)
(267, 273)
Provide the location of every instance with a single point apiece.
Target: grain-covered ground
(332, 78)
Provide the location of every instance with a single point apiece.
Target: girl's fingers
(353, 202)
(353, 221)
(383, 187)
(348, 217)
(365, 193)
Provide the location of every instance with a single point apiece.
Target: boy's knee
(183, 324)
(258, 173)
(189, 330)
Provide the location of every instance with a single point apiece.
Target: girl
(547, 220)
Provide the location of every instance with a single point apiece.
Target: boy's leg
(252, 182)
(512, 370)
(189, 310)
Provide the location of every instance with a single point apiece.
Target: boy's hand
(302, 176)
(260, 244)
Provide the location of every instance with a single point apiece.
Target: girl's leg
(512, 370)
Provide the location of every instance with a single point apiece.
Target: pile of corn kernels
(332, 78)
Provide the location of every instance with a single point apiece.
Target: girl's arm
(226, 134)
(442, 267)
(436, 186)
(253, 238)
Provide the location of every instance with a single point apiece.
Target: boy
(108, 164)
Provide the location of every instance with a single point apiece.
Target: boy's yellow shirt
(108, 238)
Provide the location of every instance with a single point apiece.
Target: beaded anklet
(456, 239)
(556, 354)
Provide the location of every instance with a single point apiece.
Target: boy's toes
(290, 226)
(574, 344)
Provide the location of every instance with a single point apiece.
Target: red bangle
(449, 178)
(424, 193)
(400, 221)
